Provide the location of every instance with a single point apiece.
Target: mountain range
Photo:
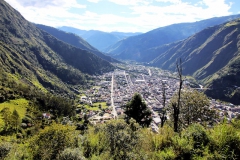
(145, 47)
(74, 40)
(99, 39)
(33, 56)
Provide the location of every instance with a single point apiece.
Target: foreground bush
(51, 141)
(115, 139)
(72, 154)
(5, 148)
(225, 142)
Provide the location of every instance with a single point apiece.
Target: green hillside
(37, 58)
(212, 57)
(75, 41)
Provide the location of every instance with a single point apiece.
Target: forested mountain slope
(212, 56)
(36, 57)
(74, 40)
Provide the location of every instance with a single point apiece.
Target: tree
(137, 109)
(15, 120)
(176, 104)
(6, 114)
(51, 141)
(113, 140)
(163, 112)
(11, 120)
(194, 108)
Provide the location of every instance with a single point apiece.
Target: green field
(19, 104)
(95, 106)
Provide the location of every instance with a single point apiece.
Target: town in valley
(111, 91)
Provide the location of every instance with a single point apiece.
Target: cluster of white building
(149, 82)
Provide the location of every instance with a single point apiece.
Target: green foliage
(6, 114)
(11, 121)
(224, 85)
(137, 109)
(197, 135)
(71, 154)
(118, 140)
(21, 95)
(192, 142)
(162, 140)
(115, 139)
(16, 119)
(58, 106)
(166, 154)
(5, 148)
(194, 108)
(51, 141)
(225, 142)
(18, 104)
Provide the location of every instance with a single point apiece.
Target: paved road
(114, 112)
(126, 79)
(149, 72)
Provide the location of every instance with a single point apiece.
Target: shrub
(183, 147)
(225, 142)
(5, 148)
(197, 135)
(166, 154)
(191, 142)
(51, 141)
(72, 154)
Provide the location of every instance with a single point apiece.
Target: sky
(122, 15)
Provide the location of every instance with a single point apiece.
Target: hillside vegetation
(74, 40)
(37, 58)
(212, 57)
(118, 140)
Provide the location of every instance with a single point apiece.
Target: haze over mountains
(38, 58)
(99, 39)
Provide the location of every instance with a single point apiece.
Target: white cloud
(48, 12)
(177, 12)
(144, 16)
(131, 2)
(93, 1)
(170, 1)
(46, 3)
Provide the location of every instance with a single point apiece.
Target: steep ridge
(212, 57)
(39, 59)
(74, 40)
(137, 47)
